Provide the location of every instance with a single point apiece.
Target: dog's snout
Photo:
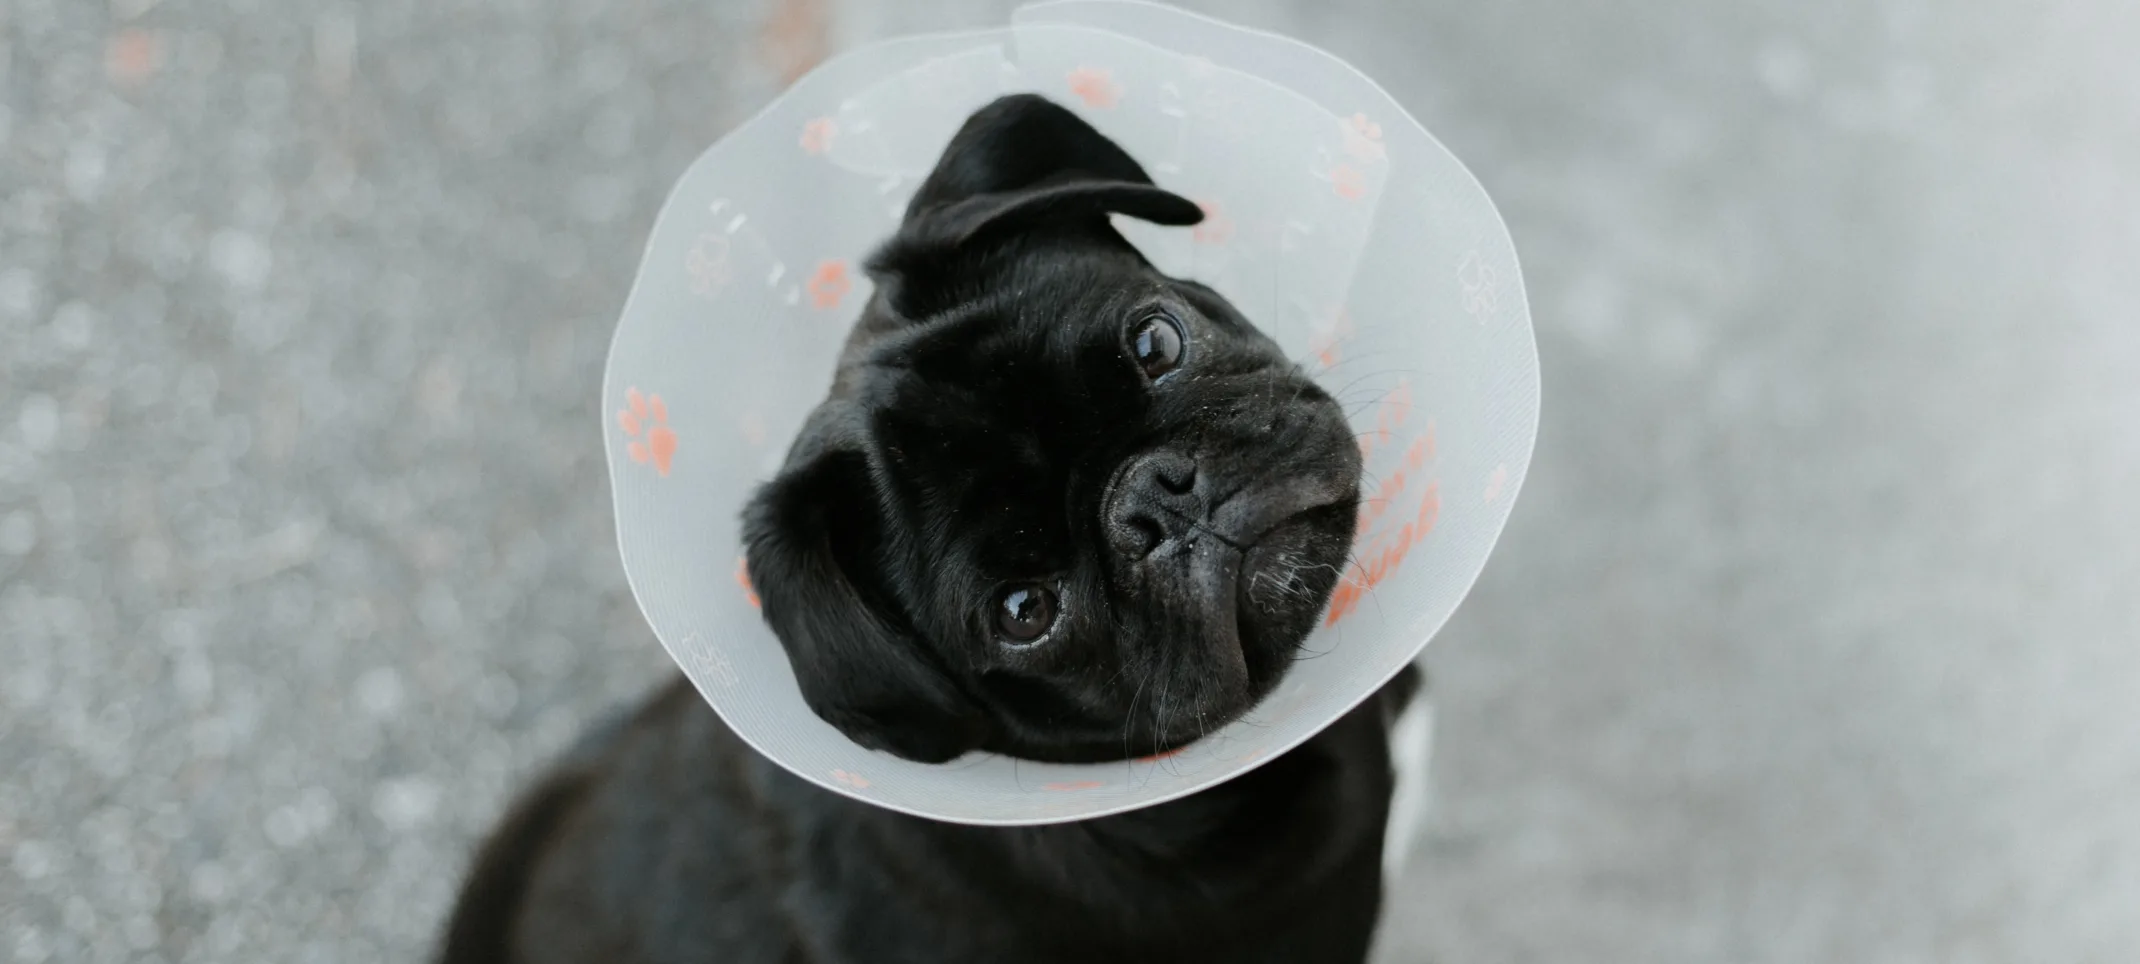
(1154, 500)
(1166, 476)
(1177, 475)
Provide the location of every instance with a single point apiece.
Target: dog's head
(1058, 505)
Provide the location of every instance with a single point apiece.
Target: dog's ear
(1026, 158)
(1020, 163)
(811, 537)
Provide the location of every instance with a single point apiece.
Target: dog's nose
(1155, 499)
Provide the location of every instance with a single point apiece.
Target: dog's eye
(1157, 345)
(1025, 611)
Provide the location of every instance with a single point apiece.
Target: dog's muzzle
(1163, 503)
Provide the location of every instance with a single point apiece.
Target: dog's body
(669, 842)
(1057, 506)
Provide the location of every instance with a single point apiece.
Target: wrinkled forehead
(997, 409)
(1015, 381)
(1029, 321)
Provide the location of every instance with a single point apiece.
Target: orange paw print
(1072, 785)
(1389, 415)
(707, 263)
(1348, 183)
(1363, 138)
(1393, 484)
(1497, 483)
(817, 135)
(1390, 524)
(829, 284)
(854, 780)
(1096, 87)
(1379, 555)
(646, 421)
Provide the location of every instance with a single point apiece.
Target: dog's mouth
(1231, 565)
(1289, 563)
(1265, 579)
(1285, 579)
(1273, 550)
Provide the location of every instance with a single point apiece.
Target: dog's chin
(1286, 578)
(1280, 585)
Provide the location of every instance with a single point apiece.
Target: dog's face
(1058, 505)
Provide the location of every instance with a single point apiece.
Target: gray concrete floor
(1814, 638)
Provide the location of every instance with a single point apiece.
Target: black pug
(1060, 506)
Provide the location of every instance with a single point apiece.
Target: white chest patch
(1411, 756)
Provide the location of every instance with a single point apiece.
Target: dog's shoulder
(645, 843)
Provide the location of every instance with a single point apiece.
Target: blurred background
(1816, 635)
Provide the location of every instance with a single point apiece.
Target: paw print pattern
(817, 135)
(1482, 288)
(707, 263)
(1382, 554)
(1393, 485)
(1363, 138)
(1389, 416)
(829, 284)
(1392, 520)
(1096, 87)
(1072, 785)
(854, 780)
(1349, 183)
(645, 421)
(710, 660)
(1497, 483)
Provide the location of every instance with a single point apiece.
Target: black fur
(990, 427)
(987, 426)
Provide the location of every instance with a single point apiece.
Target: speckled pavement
(1814, 636)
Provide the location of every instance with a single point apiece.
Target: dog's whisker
(1360, 377)
(1159, 716)
(1129, 720)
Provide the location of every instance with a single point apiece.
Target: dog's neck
(1285, 826)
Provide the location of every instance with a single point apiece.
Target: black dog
(1057, 506)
